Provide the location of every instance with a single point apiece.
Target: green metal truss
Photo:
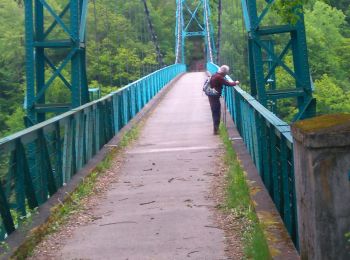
(197, 24)
(260, 44)
(40, 41)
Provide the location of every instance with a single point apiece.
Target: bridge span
(162, 205)
(164, 186)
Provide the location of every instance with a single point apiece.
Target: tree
(330, 97)
(11, 60)
(327, 46)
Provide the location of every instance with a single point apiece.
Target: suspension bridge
(161, 207)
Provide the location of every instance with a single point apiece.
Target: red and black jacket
(218, 80)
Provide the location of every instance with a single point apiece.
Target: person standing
(217, 82)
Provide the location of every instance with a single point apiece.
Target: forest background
(120, 50)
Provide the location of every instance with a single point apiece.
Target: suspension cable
(97, 43)
(219, 31)
(245, 56)
(117, 41)
(139, 21)
(235, 39)
(178, 31)
(140, 32)
(206, 14)
(153, 33)
(109, 47)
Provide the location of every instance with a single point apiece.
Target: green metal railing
(37, 161)
(270, 145)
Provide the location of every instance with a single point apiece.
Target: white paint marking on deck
(173, 149)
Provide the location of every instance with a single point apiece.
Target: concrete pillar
(322, 177)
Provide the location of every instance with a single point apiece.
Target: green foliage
(330, 97)
(15, 122)
(11, 61)
(329, 55)
(339, 4)
(289, 10)
(347, 236)
(58, 92)
(325, 41)
(120, 49)
(4, 248)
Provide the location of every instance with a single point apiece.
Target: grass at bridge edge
(239, 203)
(72, 203)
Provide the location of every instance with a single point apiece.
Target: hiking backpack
(208, 90)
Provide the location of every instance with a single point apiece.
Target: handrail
(270, 144)
(36, 162)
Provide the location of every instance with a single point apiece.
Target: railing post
(322, 168)
(58, 154)
(116, 117)
(5, 213)
(67, 151)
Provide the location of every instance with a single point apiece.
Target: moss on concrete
(323, 123)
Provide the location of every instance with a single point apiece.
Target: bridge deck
(161, 207)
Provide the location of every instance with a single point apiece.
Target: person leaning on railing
(217, 82)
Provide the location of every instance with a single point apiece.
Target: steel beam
(191, 34)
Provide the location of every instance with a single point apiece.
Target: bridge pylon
(260, 44)
(53, 51)
(193, 22)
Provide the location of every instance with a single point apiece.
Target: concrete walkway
(161, 206)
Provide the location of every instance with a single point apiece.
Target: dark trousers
(215, 111)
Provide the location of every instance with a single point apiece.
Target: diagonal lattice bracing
(193, 21)
(263, 81)
(65, 36)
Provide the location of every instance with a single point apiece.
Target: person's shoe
(216, 132)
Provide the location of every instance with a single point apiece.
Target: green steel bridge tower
(196, 24)
(41, 43)
(260, 42)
